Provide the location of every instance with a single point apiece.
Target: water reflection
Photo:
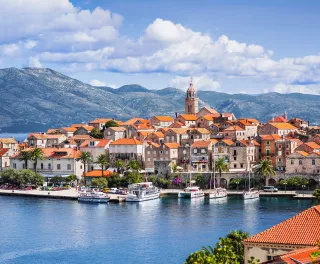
(222, 200)
(251, 209)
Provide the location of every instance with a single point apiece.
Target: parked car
(56, 189)
(270, 189)
(28, 188)
(113, 190)
(105, 190)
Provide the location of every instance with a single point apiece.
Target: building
(188, 120)
(303, 163)
(161, 121)
(126, 149)
(160, 152)
(191, 101)
(299, 123)
(4, 158)
(250, 125)
(100, 122)
(83, 130)
(300, 231)
(95, 147)
(42, 140)
(268, 147)
(201, 155)
(68, 131)
(94, 174)
(156, 137)
(281, 129)
(56, 162)
(234, 133)
(176, 135)
(114, 133)
(309, 147)
(207, 111)
(9, 143)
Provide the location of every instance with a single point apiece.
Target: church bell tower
(191, 101)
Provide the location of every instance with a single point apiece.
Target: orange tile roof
(228, 141)
(201, 144)
(157, 134)
(101, 120)
(234, 128)
(211, 110)
(303, 153)
(302, 229)
(53, 131)
(202, 130)
(214, 141)
(279, 119)
(270, 137)
(179, 130)
(207, 117)
(81, 137)
(126, 141)
(3, 151)
(301, 255)
(8, 141)
(98, 173)
(69, 129)
(172, 145)
(61, 153)
(117, 129)
(313, 145)
(78, 125)
(189, 117)
(153, 144)
(133, 120)
(88, 128)
(45, 136)
(227, 114)
(101, 144)
(286, 126)
(165, 118)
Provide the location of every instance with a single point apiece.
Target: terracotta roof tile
(8, 141)
(201, 144)
(228, 141)
(126, 141)
(302, 229)
(172, 145)
(303, 153)
(165, 118)
(189, 117)
(3, 151)
(61, 153)
(285, 126)
(301, 255)
(98, 173)
(234, 128)
(270, 137)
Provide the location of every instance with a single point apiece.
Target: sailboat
(217, 192)
(251, 193)
(191, 192)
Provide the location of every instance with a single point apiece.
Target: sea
(161, 231)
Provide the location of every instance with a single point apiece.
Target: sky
(231, 46)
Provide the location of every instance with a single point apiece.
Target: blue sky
(231, 46)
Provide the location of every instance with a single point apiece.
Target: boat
(191, 192)
(218, 193)
(251, 193)
(142, 191)
(93, 196)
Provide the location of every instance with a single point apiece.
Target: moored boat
(218, 193)
(142, 191)
(191, 192)
(251, 194)
(93, 197)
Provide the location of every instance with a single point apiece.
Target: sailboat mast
(214, 166)
(249, 176)
(190, 167)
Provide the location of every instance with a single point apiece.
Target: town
(189, 142)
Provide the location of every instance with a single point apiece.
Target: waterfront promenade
(72, 194)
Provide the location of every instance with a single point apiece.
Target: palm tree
(35, 155)
(102, 160)
(25, 156)
(220, 166)
(133, 165)
(265, 168)
(85, 158)
(119, 164)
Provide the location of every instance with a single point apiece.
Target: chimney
(176, 114)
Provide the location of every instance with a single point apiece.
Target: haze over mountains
(34, 99)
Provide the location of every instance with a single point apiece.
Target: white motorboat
(191, 192)
(218, 193)
(93, 197)
(142, 191)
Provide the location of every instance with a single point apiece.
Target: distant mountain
(34, 99)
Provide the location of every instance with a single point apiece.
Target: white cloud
(97, 83)
(34, 62)
(202, 82)
(9, 49)
(286, 88)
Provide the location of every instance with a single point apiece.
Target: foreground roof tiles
(165, 118)
(8, 141)
(126, 141)
(302, 229)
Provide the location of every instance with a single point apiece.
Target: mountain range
(34, 99)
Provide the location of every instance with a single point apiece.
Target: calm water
(159, 231)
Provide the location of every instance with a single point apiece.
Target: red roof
(172, 145)
(98, 173)
(3, 151)
(201, 144)
(126, 141)
(302, 229)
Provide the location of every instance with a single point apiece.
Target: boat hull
(93, 200)
(250, 195)
(217, 195)
(134, 198)
(190, 195)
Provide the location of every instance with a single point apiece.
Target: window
(241, 165)
(148, 159)
(234, 158)
(58, 166)
(313, 162)
(235, 166)
(80, 167)
(292, 162)
(195, 151)
(41, 166)
(167, 152)
(234, 153)
(154, 152)
(300, 162)
(148, 152)
(69, 166)
(14, 165)
(203, 150)
(23, 166)
(268, 142)
(279, 160)
(280, 146)
(268, 152)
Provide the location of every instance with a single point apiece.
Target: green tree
(85, 158)
(25, 156)
(102, 160)
(265, 169)
(236, 182)
(229, 250)
(316, 194)
(100, 182)
(35, 155)
(133, 165)
(96, 133)
(174, 167)
(134, 177)
(119, 164)
(199, 179)
(114, 180)
(221, 165)
(57, 180)
(71, 178)
(110, 123)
